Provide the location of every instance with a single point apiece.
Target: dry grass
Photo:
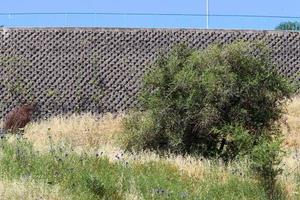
(89, 132)
(288, 180)
(86, 131)
(291, 128)
(28, 190)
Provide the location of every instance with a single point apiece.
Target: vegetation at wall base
(78, 157)
(88, 176)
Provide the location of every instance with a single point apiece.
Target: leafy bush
(218, 102)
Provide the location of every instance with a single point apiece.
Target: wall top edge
(147, 29)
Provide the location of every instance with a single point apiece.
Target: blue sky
(232, 7)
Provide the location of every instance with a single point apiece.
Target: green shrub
(266, 157)
(216, 102)
(95, 186)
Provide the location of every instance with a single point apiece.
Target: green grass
(86, 176)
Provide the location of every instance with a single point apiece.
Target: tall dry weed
(85, 130)
(291, 127)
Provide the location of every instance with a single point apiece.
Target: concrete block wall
(99, 70)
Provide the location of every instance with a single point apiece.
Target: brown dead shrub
(18, 117)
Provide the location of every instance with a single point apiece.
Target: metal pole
(207, 14)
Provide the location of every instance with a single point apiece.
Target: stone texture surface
(99, 70)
